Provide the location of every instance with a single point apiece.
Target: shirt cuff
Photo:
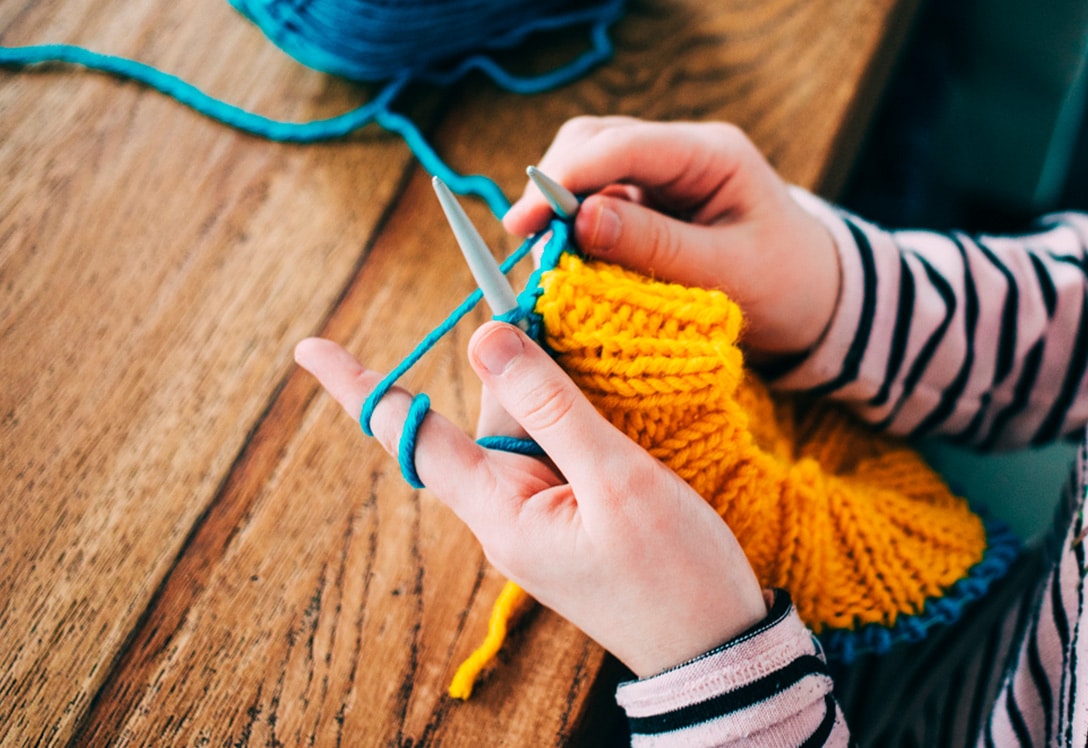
(766, 686)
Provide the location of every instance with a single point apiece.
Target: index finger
(445, 456)
(688, 166)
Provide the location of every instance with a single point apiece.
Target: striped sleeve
(1044, 697)
(978, 338)
(1013, 672)
(768, 687)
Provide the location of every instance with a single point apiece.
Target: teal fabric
(1020, 488)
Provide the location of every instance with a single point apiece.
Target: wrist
(801, 288)
(710, 632)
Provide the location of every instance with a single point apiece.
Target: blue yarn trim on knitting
(379, 111)
(1002, 548)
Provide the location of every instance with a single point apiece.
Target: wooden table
(196, 546)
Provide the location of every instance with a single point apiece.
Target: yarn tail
(510, 602)
(377, 111)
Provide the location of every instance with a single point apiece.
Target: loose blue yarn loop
(394, 43)
(406, 450)
(555, 240)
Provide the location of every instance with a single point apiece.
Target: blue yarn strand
(394, 44)
(600, 19)
(431, 339)
(512, 444)
(473, 184)
(254, 124)
(383, 387)
(406, 447)
(192, 97)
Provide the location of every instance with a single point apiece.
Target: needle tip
(496, 289)
(562, 200)
(453, 210)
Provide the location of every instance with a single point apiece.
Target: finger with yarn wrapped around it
(444, 454)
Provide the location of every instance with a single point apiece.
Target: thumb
(540, 396)
(786, 280)
(642, 239)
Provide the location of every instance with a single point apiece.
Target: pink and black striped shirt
(981, 339)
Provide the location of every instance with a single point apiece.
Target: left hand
(604, 533)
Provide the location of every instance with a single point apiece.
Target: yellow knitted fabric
(853, 524)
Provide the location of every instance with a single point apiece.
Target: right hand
(697, 204)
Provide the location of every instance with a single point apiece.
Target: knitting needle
(562, 200)
(497, 291)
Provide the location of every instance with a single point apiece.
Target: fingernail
(498, 349)
(606, 232)
(302, 350)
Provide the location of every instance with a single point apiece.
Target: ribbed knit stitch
(853, 524)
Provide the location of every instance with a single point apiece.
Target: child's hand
(726, 219)
(614, 541)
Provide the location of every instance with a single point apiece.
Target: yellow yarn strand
(510, 600)
(853, 524)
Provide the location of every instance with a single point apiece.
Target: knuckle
(728, 141)
(636, 478)
(736, 141)
(664, 246)
(546, 405)
(478, 467)
(726, 134)
(389, 419)
(388, 423)
(387, 433)
(729, 131)
(580, 127)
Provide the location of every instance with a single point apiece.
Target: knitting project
(870, 543)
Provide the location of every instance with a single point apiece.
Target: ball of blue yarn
(391, 42)
(379, 40)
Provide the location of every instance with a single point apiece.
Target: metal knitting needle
(562, 200)
(497, 291)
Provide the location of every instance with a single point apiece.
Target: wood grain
(156, 270)
(196, 545)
